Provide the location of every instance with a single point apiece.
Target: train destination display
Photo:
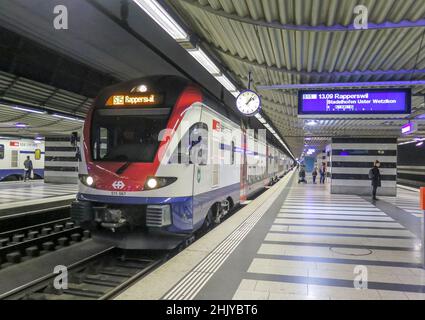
(364, 101)
(134, 100)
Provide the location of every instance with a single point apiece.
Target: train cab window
(103, 141)
(1, 151)
(123, 137)
(37, 154)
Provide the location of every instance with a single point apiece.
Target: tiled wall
(351, 160)
(61, 164)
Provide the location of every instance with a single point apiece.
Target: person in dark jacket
(375, 176)
(322, 172)
(301, 175)
(314, 174)
(28, 168)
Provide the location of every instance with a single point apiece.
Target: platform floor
(407, 201)
(300, 242)
(33, 194)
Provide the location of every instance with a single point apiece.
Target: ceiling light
(21, 125)
(28, 110)
(204, 61)
(419, 144)
(142, 88)
(312, 123)
(162, 18)
(67, 117)
(226, 83)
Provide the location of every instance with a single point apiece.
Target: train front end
(130, 193)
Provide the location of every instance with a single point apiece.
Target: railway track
(98, 277)
(22, 220)
(30, 242)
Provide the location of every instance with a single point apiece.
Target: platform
(299, 242)
(34, 196)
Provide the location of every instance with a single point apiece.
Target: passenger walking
(314, 174)
(28, 168)
(375, 176)
(301, 175)
(323, 173)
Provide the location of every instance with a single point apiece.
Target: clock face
(248, 102)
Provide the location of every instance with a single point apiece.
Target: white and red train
(13, 153)
(159, 162)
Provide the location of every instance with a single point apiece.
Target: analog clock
(248, 102)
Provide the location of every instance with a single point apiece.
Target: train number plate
(118, 193)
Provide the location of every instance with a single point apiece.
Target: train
(13, 153)
(162, 160)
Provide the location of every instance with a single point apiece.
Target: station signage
(408, 128)
(134, 100)
(360, 101)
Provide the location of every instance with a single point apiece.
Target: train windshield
(127, 135)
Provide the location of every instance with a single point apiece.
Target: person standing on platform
(314, 174)
(301, 175)
(375, 176)
(28, 168)
(323, 173)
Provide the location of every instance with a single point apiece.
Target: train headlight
(158, 182)
(152, 183)
(87, 180)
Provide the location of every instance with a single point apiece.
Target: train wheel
(208, 222)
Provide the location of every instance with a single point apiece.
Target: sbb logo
(118, 185)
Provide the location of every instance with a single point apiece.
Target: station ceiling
(309, 41)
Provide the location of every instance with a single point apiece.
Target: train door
(215, 153)
(243, 165)
(14, 161)
(199, 149)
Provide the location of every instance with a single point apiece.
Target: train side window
(1, 151)
(37, 154)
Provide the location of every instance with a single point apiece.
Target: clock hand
(250, 100)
